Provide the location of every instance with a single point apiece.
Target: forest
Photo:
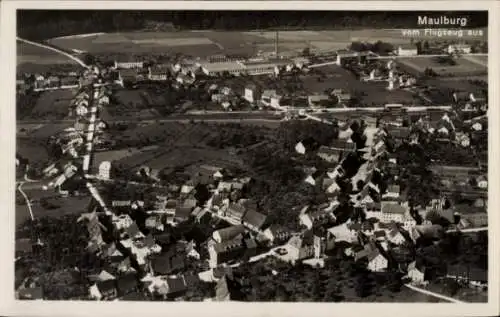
(44, 24)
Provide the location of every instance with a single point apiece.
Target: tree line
(43, 24)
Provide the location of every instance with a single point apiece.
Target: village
(405, 174)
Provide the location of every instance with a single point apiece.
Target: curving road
(426, 292)
(28, 202)
(74, 58)
(479, 229)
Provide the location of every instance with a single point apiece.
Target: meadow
(204, 43)
(34, 59)
(463, 66)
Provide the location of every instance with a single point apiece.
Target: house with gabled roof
(103, 290)
(226, 251)
(416, 273)
(343, 232)
(254, 220)
(112, 253)
(301, 247)
(377, 262)
(167, 263)
(330, 154)
(228, 233)
(395, 236)
(276, 234)
(133, 232)
(235, 211)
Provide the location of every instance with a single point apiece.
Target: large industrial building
(250, 67)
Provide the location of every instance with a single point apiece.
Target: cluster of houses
(40, 82)
(62, 80)
(412, 49)
(388, 226)
(75, 143)
(137, 263)
(146, 249)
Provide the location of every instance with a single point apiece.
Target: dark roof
(219, 272)
(236, 210)
(250, 243)
(393, 189)
(163, 237)
(393, 208)
(149, 241)
(106, 286)
(167, 263)
(230, 232)
(226, 246)
(132, 230)
(254, 218)
(127, 283)
(183, 212)
(398, 132)
(191, 280)
(176, 285)
(342, 145)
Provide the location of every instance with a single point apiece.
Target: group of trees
(63, 243)
(379, 47)
(341, 279)
(43, 24)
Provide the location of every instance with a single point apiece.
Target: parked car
(281, 251)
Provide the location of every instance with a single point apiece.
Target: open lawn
(463, 66)
(33, 59)
(175, 157)
(116, 155)
(32, 150)
(453, 85)
(480, 60)
(68, 205)
(53, 104)
(47, 130)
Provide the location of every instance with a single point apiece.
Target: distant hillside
(44, 24)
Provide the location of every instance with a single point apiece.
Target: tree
(364, 285)
(89, 59)
(306, 52)
(358, 46)
(426, 46)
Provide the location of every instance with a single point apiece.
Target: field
(68, 205)
(116, 155)
(370, 92)
(44, 131)
(31, 58)
(203, 43)
(480, 60)
(53, 104)
(180, 146)
(463, 66)
(31, 149)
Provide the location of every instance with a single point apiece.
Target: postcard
(249, 158)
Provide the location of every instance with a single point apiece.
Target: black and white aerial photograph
(251, 156)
